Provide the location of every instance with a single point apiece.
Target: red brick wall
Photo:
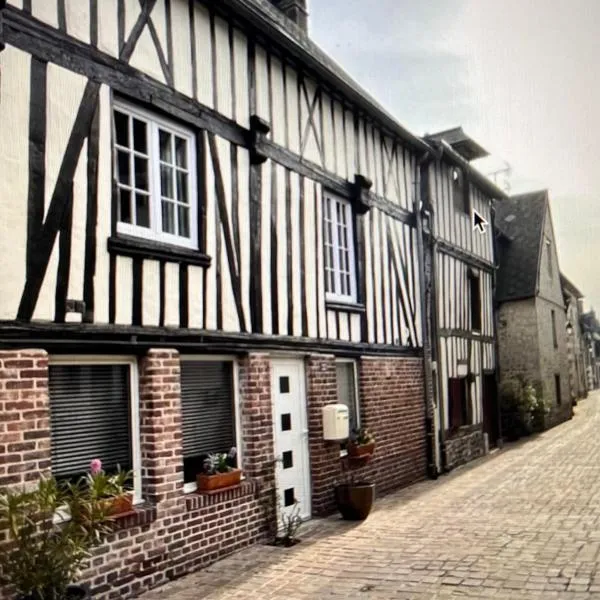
(392, 407)
(24, 421)
(324, 456)
(173, 532)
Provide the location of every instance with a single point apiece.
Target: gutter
(425, 301)
(269, 21)
(495, 320)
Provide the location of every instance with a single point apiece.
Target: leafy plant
(361, 436)
(290, 522)
(52, 529)
(219, 462)
(523, 408)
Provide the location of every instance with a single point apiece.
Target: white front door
(292, 468)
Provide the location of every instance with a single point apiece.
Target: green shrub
(52, 529)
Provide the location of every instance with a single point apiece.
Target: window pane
(181, 152)
(140, 141)
(122, 128)
(182, 187)
(166, 153)
(142, 210)
(141, 173)
(123, 167)
(124, 206)
(168, 217)
(183, 214)
(346, 391)
(207, 416)
(166, 181)
(89, 418)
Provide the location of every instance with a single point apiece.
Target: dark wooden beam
(82, 338)
(466, 257)
(465, 335)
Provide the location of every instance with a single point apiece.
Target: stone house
(532, 323)
(213, 232)
(591, 338)
(575, 341)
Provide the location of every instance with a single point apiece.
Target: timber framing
(466, 257)
(52, 45)
(91, 338)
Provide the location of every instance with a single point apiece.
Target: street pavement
(523, 522)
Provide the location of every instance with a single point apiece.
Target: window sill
(142, 514)
(125, 245)
(198, 500)
(349, 307)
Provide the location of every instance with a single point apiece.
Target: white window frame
(154, 122)
(336, 296)
(191, 487)
(134, 407)
(344, 452)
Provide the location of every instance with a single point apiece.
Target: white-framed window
(210, 412)
(94, 413)
(347, 389)
(155, 166)
(338, 237)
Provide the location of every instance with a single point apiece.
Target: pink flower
(96, 466)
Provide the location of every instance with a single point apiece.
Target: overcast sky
(521, 76)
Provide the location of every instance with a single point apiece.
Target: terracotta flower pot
(356, 450)
(208, 483)
(121, 504)
(355, 500)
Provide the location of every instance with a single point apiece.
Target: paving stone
(523, 524)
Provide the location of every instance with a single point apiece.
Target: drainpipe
(496, 316)
(419, 205)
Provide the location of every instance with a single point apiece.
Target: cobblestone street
(523, 523)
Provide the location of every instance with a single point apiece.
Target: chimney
(295, 10)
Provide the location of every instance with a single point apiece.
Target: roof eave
(263, 16)
(481, 180)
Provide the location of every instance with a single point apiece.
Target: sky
(520, 76)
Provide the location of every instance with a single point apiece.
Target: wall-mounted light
(569, 328)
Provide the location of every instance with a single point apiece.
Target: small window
(475, 298)
(346, 390)
(94, 414)
(557, 388)
(208, 414)
(548, 245)
(460, 191)
(554, 336)
(155, 166)
(340, 276)
(458, 407)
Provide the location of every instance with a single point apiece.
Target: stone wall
(464, 445)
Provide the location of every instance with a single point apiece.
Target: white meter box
(336, 422)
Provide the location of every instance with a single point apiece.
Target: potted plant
(51, 530)
(361, 444)
(218, 472)
(354, 498)
(110, 489)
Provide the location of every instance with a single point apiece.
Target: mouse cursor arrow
(479, 222)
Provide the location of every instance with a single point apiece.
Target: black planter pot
(74, 592)
(354, 501)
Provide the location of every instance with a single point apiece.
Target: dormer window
(460, 191)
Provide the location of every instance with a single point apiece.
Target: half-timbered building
(209, 232)
(461, 242)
